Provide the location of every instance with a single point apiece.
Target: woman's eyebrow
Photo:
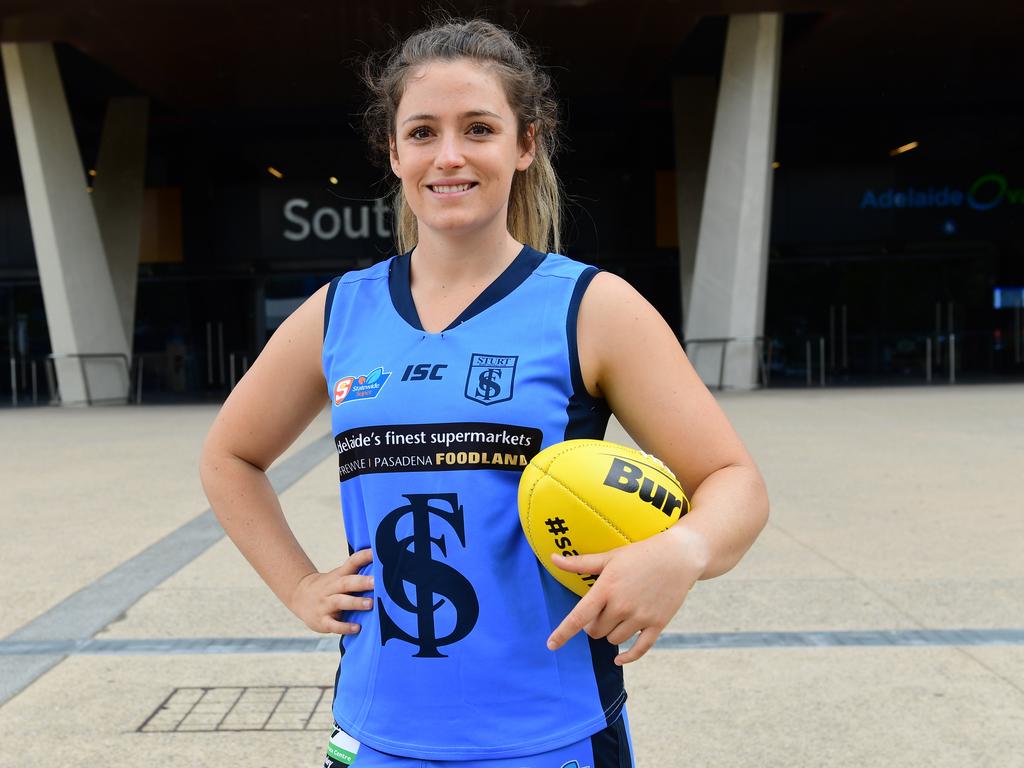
(471, 113)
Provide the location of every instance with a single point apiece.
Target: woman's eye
(480, 125)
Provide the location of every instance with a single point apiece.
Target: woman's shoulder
(372, 272)
(563, 266)
(329, 292)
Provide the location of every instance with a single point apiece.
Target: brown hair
(534, 209)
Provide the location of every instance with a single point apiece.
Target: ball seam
(592, 508)
(542, 473)
(529, 510)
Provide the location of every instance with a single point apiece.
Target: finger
(355, 561)
(639, 648)
(339, 627)
(604, 623)
(339, 603)
(580, 563)
(586, 610)
(343, 575)
(623, 632)
(353, 583)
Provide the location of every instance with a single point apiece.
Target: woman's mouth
(453, 190)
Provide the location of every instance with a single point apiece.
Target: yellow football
(581, 497)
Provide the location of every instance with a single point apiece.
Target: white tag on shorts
(342, 748)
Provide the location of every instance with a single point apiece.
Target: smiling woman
(483, 93)
(449, 155)
(458, 646)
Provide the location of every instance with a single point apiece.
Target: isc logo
(423, 371)
(629, 478)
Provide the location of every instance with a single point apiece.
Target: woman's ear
(527, 155)
(395, 167)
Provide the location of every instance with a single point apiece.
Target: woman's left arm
(632, 358)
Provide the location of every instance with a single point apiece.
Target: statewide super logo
(490, 378)
(363, 387)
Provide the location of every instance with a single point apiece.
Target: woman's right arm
(275, 401)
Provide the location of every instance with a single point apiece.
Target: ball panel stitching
(592, 508)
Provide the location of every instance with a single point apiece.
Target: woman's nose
(449, 152)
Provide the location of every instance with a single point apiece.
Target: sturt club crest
(491, 377)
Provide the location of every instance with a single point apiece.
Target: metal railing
(951, 352)
(817, 344)
(138, 363)
(782, 359)
(821, 361)
(764, 365)
(878, 357)
(28, 376)
(23, 364)
(241, 366)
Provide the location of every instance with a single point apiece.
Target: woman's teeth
(457, 188)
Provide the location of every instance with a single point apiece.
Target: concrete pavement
(894, 512)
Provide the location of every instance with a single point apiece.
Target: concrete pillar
(117, 198)
(730, 275)
(693, 119)
(78, 293)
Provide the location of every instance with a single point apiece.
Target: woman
(458, 646)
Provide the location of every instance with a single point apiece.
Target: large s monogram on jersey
(409, 559)
(451, 664)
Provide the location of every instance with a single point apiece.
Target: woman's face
(454, 125)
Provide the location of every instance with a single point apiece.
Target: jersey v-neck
(399, 285)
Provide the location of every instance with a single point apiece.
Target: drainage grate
(242, 708)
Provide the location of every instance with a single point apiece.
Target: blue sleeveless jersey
(433, 431)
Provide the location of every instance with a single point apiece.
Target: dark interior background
(235, 88)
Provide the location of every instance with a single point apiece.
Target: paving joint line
(851, 574)
(879, 638)
(80, 616)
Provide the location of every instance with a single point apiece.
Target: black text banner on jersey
(435, 447)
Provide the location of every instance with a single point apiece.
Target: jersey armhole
(328, 302)
(571, 326)
(588, 415)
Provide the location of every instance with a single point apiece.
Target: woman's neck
(466, 262)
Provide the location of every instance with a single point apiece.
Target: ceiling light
(334, 179)
(904, 148)
(274, 172)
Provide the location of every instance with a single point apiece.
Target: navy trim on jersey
(337, 675)
(398, 287)
(611, 746)
(588, 418)
(329, 301)
(588, 415)
(513, 276)
(515, 273)
(608, 677)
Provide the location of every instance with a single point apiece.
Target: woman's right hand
(319, 598)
